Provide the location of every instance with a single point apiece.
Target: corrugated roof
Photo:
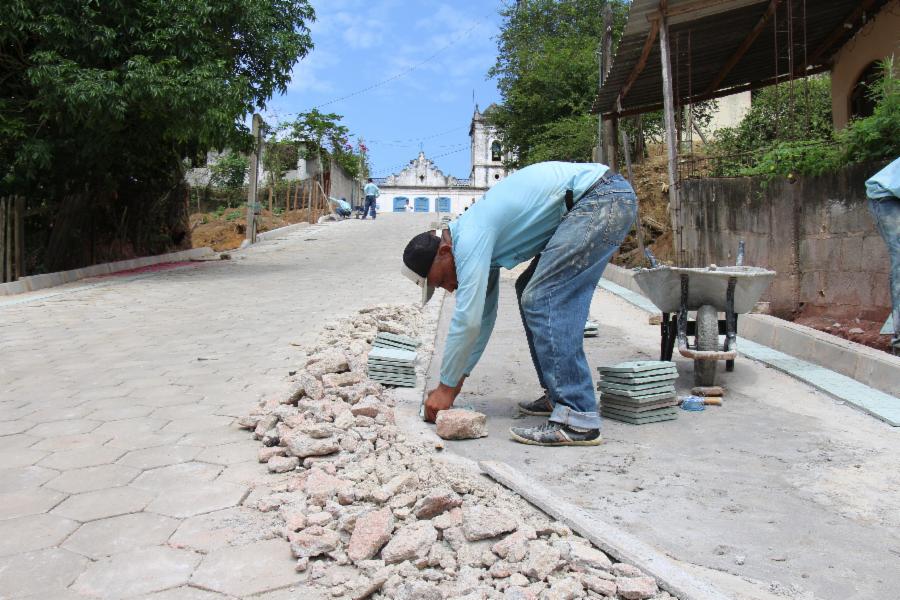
(706, 34)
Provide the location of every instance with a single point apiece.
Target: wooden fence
(12, 238)
(299, 195)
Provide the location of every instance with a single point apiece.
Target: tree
(100, 103)
(325, 137)
(547, 74)
(229, 171)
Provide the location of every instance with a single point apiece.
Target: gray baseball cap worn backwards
(417, 259)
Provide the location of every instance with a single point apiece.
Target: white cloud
(311, 73)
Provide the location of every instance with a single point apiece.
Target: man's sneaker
(555, 434)
(542, 407)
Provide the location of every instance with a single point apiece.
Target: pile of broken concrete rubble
(370, 513)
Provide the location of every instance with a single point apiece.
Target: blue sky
(360, 43)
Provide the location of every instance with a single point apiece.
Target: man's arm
(488, 318)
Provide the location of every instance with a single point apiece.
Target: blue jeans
(886, 212)
(370, 203)
(555, 294)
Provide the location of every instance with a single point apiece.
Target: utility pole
(669, 122)
(252, 205)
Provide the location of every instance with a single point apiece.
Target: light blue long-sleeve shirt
(885, 182)
(511, 224)
(371, 190)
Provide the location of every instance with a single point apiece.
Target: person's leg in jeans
(543, 406)
(557, 300)
(370, 203)
(886, 212)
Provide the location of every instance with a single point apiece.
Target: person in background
(371, 192)
(883, 190)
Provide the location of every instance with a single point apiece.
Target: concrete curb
(48, 280)
(876, 369)
(272, 233)
(614, 541)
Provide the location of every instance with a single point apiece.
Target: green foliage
(758, 147)
(877, 137)
(323, 136)
(229, 171)
(103, 100)
(772, 120)
(547, 74)
(279, 157)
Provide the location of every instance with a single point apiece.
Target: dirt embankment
(225, 230)
(650, 184)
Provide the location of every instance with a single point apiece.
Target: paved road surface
(782, 484)
(122, 471)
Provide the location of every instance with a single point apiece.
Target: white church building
(424, 188)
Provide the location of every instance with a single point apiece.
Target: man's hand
(441, 398)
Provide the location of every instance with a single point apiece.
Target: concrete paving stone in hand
(114, 535)
(88, 479)
(100, 504)
(39, 574)
(137, 572)
(242, 571)
(33, 532)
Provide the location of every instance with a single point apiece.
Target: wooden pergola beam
(742, 49)
(716, 94)
(642, 61)
(838, 32)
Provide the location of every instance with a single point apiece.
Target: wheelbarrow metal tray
(662, 285)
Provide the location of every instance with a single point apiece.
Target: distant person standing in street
(883, 190)
(372, 192)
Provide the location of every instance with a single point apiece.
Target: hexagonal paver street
(122, 472)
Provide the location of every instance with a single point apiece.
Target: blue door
(400, 203)
(421, 204)
(443, 204)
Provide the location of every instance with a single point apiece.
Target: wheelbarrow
(708, 291)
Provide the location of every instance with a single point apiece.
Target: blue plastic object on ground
(692, 403)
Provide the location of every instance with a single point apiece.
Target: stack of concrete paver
(638, 392)
(591, 329)
(392, 360)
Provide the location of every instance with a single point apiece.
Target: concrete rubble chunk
(461, 424)
(567, 588)
(481, 523)
(371, 532)
(302, 445)
(410, 542)
(321, 487)
(401, 483)
(604, 587)
(370, 406)
(313, 541)
(636, 588)
(453, 518)
(436, 503)
(283, 464)
(542, 560)
(514, 547)
(330, 361)
(626, 570)
(312, 387)
(267, 452)
(333, 380)
(584, 557)
(249, 421)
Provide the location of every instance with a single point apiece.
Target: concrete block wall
(817, 234)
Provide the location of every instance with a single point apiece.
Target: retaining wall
(816, 233)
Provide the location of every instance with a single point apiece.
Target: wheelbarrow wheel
(707, 339)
